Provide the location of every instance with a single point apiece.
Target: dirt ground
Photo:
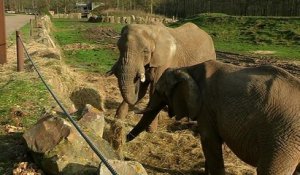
(175, 148)
(250, 61)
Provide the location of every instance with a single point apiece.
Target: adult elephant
(146, 51)
(255, 111)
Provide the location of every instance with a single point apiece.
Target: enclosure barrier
(85, 137)
(3, 54)
(20, 53)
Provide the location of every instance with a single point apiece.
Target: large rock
(46, 134)
(59, 149)
(123, 167)
(92, 120)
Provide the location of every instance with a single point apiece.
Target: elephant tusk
(143, 78)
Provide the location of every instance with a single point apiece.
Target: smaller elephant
(255, 111)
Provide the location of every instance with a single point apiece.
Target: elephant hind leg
(277, 163)
(212, 148)
(297, 171)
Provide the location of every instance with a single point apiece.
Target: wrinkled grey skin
(255, 111)
(146, 51)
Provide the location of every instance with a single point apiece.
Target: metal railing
(85, 137)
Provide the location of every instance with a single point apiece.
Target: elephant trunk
(129, 89)
(129, 82)
(149, 114)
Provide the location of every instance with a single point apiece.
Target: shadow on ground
(13, 150)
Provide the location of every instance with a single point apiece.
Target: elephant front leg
(212, 148)
(156, 74)
(122, 110)
(153, 126)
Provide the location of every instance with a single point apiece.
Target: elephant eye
(146, 51)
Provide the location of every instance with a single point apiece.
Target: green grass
(236, 34)
(248, 34)
(99, 61)
(25, 92)
(67, 32)
(17, 89)
(18, 93)
(25, 34)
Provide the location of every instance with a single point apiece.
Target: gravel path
(15, 22)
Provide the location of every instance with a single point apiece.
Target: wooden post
(20, 53)
(3, 55)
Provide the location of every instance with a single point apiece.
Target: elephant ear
(170, 79)
(113, 70)
(165, 48)
(166, 82)
(182, 93)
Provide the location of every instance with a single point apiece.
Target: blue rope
(86, 138)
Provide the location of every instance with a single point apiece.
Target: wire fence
(85, 137)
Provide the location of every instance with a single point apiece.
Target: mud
(292, 67)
